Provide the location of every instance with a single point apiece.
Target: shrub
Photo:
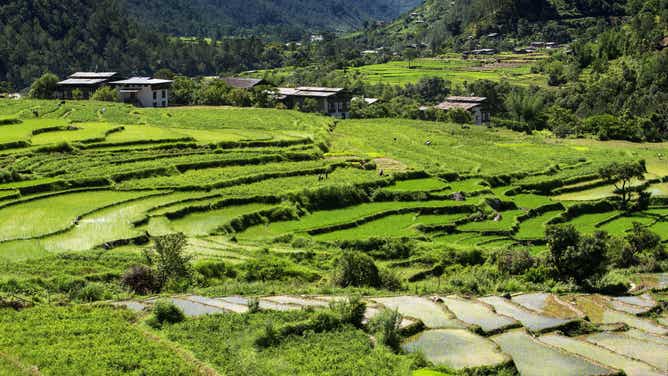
(269, 336)
(514, 261)
(390, 279)
(92, 292)
(356, 269)
(613, 283)
(574, 256)
(350, 310)
(105, 94)
(460, 116)
(165, 311)
(140, 279)
(169, 259)
(253, 305)
(214, 269)
(386, 325)
(44, 87)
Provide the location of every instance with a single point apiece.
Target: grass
(48, 215)
(417, 185)
(205, 223)
(455, 70)
(85, 340)
(453, 149)
(226, 342)
(325, 218)
(534, 227)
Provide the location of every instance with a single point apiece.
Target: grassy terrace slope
(273, 196)
(516, 69)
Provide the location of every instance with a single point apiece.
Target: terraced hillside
(269, 199)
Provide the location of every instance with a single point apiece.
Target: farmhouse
(86, 83)
(331, 101)
(244, 83)
(144, 91)
(474, 105)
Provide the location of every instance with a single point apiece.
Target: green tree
(574, 256)
(169, 259)
(410, 54)
(106, 94)
(621, 175)
(44, 87)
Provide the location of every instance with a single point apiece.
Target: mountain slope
(283, 18)
(556, 20)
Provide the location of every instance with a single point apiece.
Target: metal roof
(93, 75)
(82, 81)
(242, 83)
(142, 81)
(306, 91)
(321, 89)
(450, 105)
(465, 99)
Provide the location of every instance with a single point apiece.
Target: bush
(106, 94)
(44, 87)
(214, 269)
(165, 311)
(169, 260)
(390, 279)
(514, 261)
(460, 116)
(253, 305)
(92, 292)
(356, 269)
(613, 283)
(574, 256)
(140, 279)
(386, 325)
(351, 310)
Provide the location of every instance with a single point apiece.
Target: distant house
(551, 45)
(331, 101)
(474, 105)
(317, 38)
(537, 44)
(243, 83)
(144, 91)
(85, 82)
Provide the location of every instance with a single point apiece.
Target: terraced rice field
(456, 345)
(534, 358)
(456, 348)
(279, 193)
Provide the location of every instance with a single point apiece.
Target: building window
(164, 93)
(155, 95)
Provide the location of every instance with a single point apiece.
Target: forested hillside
(558, 20)
(50, 35)
(283, 19)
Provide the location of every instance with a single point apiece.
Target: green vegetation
(258, 202)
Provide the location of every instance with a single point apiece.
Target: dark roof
(243, 83)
